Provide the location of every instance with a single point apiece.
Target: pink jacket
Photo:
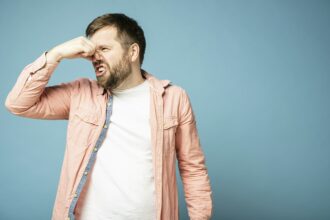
(83, 103)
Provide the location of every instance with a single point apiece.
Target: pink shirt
(83, 103)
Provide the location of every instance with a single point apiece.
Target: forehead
(105, 35)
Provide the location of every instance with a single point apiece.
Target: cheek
(110, 62)
(108, 65)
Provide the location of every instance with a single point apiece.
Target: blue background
(257, 73)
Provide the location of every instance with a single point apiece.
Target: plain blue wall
(257, 73)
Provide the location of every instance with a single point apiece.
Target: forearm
(194, 173)
(192, 164)
(30, 97)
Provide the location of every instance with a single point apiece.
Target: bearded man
(126, 129)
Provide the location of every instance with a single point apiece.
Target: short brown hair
(128, 30)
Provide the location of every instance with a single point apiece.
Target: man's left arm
(191, 162)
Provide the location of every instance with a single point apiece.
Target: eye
(105, 49)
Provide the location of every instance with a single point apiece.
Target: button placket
(91, 159)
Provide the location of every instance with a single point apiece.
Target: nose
(96, 56)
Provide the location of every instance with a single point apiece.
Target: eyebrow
(104, 45)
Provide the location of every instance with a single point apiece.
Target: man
(125, 130)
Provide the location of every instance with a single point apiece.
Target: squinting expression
(111, 63)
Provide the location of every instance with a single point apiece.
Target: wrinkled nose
(96, 57)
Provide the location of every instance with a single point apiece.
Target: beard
(118, 73)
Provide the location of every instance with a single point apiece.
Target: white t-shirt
(121, 185)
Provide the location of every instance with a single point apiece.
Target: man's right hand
(79, 47)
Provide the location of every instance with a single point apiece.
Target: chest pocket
(170, 122)
(169, 129)
(88, 116)
(81, 130)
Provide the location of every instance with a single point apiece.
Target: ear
(134, 52)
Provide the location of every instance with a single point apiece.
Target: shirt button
(68, 218)
(95, 148)
(75, 195)
(109, 104)
(85, 173)
(105, 126)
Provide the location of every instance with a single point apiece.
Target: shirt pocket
(81, 129)
(169, 129)
(87, 116)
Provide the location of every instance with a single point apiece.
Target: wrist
(53, 56)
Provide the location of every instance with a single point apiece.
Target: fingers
(91, 44)
(89, 58)
(89, 47)
(86, 48)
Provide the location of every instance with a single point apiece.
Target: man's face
(111, 62)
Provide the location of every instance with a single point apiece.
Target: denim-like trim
(91, 158)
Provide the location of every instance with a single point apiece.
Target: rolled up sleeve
(30, 97)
